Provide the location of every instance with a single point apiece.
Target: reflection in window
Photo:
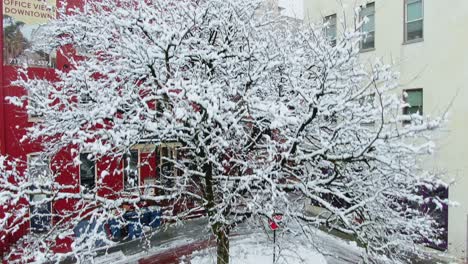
(40, 205)
(414, 20)
(368, 28)
(415, 100)
(330, 29)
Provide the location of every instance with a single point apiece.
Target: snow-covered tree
(268, 118)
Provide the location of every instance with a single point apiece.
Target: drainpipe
(2, 92)
(2, 121)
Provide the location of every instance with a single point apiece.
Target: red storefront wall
(14, 120)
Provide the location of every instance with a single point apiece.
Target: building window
(368, 41)
(33, 111)
(166, 169)
(414, 13)
(40, 205)
(87, 171)
(131, 171)
(85, 98)
(368, 103)
(36, 107)
(414, 98)
(330, 29)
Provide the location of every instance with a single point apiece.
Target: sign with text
(23, 22)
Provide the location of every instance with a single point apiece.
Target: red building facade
(15, 120)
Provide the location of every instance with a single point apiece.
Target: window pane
(414, 11)
(85, 98)
(330, 30)
(331, 33)
(331, 20)
(38, 197)
(39, 206)
(38, 169)
(368, 10)
(368, 41)
(33, 109)
(87, 171)
(414, 98)
(414, 110)
(40, 214)
(167, 166)
(131, 170)
(167, 171)
(370, 25)
(134, 160)
(414, 30)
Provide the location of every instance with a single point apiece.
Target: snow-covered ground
(249, 244)
(251, 250)
(257, 248)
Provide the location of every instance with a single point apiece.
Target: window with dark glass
(368, 28)
(414, 98)
(131, 170)
(87, 171)
(414, 18)
(330, 29)
(39, 204)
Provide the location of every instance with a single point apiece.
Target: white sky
(294, 8)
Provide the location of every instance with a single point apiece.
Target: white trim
(406, 21)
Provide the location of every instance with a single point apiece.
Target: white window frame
(405, 26)
(406, 93)
(327, 19)
(405, 99)
(373, 31)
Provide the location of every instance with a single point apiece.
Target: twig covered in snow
(269, 118)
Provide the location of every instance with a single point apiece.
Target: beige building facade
(427, 41)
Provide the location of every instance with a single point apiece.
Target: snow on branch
(269, 118)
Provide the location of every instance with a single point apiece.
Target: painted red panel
(148, 166)
(109, 179)
(13, 124)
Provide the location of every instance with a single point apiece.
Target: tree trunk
(222, 243)
(219, 230)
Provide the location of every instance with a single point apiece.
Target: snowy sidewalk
(192, 241)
